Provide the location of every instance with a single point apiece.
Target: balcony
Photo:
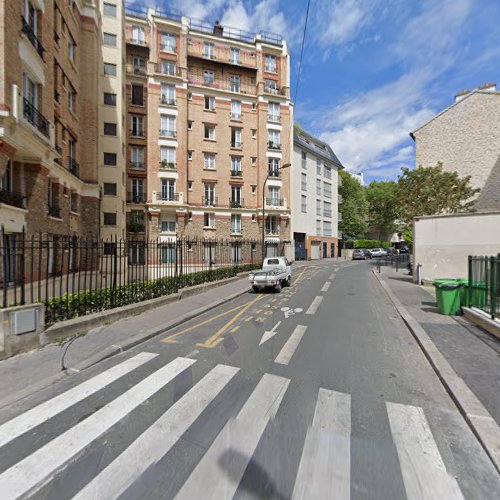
(138, 133)
(169, 196)
(137, 70)
(136, 197)
(274, 118)
(54, 212)
(275, 91)
(168, 101)
(31, 36)
(137, 41)
(165, 69)
(236, 144)
(272, 231)
(275, 173)
(235, 203)
(243, 87)
(171, 134)
(136, 227)
(171, 49)
(137, 165)
(222, 55)
(167, 165)
(73, 166)
(236, 173)
(276, 146)
(12, 198)
(274, 202)
(36, 118)
(209, 201)
(235, 116)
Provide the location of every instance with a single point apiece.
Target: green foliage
(353, 206)
(90, 301)
(408, 236)
(372, 244)
(383, 209)
(432, 191)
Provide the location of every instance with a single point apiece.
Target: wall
(443, 243)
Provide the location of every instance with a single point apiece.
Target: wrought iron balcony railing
(164, 164)
(167, 133)
(236, 173)
(209, 201)
(274, 145)
(36, 118)
(54, 212)
(31, 35)
(136, 197)
(73, 166)
(170, 101)
(274, 202)
(12, 198)
(137, 165)
(236, 203)
(169, 196)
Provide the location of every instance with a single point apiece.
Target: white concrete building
(315, 198)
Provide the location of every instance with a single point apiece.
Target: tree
(432, 191)
(353, 206)
(383, 209)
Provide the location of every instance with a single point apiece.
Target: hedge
(73, 305)
(372, 244)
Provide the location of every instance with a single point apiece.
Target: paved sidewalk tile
(473, 353)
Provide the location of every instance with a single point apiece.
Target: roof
(316, 146)
(456, 103)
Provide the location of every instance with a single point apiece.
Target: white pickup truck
(276, 273)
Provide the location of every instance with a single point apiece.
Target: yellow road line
(249, 318)
(234, 329)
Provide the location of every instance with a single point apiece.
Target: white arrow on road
(269, 333)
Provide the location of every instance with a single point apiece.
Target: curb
(475, 414)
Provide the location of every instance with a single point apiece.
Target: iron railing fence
(397, 261)
(74, 276)
(483, 290)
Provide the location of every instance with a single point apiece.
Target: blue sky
(373, 70)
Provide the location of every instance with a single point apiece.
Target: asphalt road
(317, 392)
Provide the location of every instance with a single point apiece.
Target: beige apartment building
(465, 138)
(208, 119)
(48, 118)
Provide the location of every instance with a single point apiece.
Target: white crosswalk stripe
(288, 350)
(43, 412)
(31, 473)
(155, 443)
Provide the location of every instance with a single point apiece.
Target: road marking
(314, 305)
(45, 411)
(326, 286)
(260, 320)
(210, 342)
(296, 281)
(234, 329)
(249, 318)
(424, 473)
(26, 477)
(325, 465)
(269, 333)
(332, 275)
(291, 345)
(219, 472)
(151, 446)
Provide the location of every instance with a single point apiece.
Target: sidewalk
(472, 353)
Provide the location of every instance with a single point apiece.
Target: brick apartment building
(208, 117)
(49, 57)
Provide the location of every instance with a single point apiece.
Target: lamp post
(286, 165)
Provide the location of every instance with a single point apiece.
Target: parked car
(367, 253)
(378, 252)
(358, 254)
(391, 251)
(276, 273)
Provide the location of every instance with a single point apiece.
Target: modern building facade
(465, 138)
(48, 118)
(208, 118)
(315, 213)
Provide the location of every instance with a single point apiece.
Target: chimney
(461, 94)
(218, 29)
(488, 87)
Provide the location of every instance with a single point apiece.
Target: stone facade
(466, 138)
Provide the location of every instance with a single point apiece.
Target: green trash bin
(448, 296)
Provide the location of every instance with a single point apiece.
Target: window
(110, 69)
(303, 203)
(109, 188)
(137, 157)
(235, 165)
(327, 172)
(71, 48)
(138, 35)
(109, 159)
(109, 39)
(209, 102)
(209, 50)
(168, 68)
(208, 77)
(327, 209)
(209, 195)
(209, 219)
(168, 226)
(190, 185)
(254, 161)
(73, 202)
(236, 250)
(210, 132)
(319, 169)
(270, 63)
(209, 161)
(190, 155)
(138, 65)
(137, 126)
(274, 139)
(190, 125)
(304, 182)
(236, 223)
(137, 194)
(168, 190)
(190, 96)
(236, 137)
(254, 133)
(167, 94)
(137, 217)
(109, 9)
(168, 42)
(235, 55)
(167, 126)
(327, 228)
(110, 129)
(109, 218)
(304, 159)
(254, 189)
(327, 190)
(274, 196)
(138, 95)
(109, 99)
(31, 16)
(167, 157)
(272, 225)
(318, 227)
(318, 207)
(273, 111)
(271, 86)
(71, 99)
(273, 167)
(236, 110)
(236, 199)
(234, 81)
(318, 187)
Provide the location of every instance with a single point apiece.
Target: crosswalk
(325, 462)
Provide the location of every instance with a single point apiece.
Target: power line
(302, 52)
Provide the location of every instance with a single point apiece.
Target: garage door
(315, 249)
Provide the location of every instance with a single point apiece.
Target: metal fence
(484, 284)
(74, 276)
(397, 261)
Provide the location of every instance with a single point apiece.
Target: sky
(373, 70)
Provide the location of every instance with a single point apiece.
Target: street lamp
(286, 165)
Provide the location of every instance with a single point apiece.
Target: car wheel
(278, 287)
(255, 289)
